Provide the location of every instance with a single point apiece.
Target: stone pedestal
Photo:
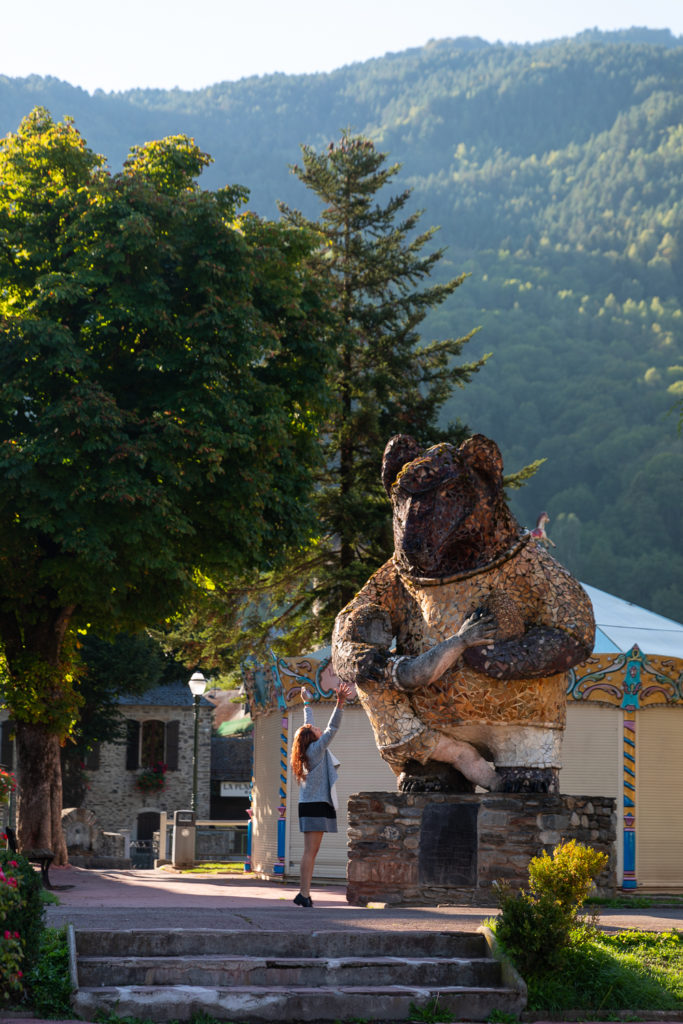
(447, 849)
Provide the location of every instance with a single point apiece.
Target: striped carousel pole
(279, 868)
(630, 881)
(630, 704)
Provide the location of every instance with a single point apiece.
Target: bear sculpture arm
(542, 651)
(364, 630)
(558, 630)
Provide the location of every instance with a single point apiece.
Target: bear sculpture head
(449, 510)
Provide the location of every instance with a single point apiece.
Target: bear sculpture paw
(529, 780)
(432, 777)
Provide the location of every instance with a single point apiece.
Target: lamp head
(197, 684)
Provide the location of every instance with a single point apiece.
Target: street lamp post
(197, 686)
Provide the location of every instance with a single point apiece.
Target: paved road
(166, 899)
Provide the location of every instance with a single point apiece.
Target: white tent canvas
(620, 625)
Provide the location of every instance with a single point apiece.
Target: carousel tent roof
(620, 625)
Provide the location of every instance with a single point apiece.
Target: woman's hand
(306, 695)
(344, 693)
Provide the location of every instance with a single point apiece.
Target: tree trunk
(39, 808)
(39, 770)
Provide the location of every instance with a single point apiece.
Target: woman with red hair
(315, 769)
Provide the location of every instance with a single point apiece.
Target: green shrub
(25, 915)
(537, 926)
(48, 984)
(11, 955)
(568, 875)
(11, 952)
(534, 930)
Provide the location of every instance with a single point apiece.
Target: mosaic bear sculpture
(486, 625)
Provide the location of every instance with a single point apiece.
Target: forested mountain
(556, 173)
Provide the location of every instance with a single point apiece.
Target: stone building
(160, 730)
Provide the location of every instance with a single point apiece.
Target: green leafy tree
(162, 373)
(386, 380)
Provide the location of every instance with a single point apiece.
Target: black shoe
(303, 901)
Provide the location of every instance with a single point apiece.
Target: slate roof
(232, 758)
(167, 695)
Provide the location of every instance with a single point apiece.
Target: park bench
(43, 858)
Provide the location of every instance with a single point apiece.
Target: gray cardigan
(321, 776)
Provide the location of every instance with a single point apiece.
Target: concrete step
(223, 971)
(254, 976)
(250, 1004)
(205, 942)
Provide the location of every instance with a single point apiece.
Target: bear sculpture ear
(400, 450)
(483, 455)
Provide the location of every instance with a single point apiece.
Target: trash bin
(182, 855)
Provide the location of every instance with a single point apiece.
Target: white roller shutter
(591, 751)
(659, 804)
(592, 759)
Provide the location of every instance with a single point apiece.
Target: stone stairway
(289, 976)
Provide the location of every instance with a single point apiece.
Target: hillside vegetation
(555, 172)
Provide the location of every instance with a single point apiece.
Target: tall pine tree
(386, 381)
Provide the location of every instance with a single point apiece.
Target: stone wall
(448, 849)
(112, 795)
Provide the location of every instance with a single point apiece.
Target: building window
(152, 746)
(150, 742)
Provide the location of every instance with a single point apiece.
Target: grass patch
(430, 1013)
(220, 868)
(622, 902)
(633, 970)
(638, 902)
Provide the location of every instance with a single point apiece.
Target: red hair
(303, 738)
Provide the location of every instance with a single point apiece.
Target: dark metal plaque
(448, 844)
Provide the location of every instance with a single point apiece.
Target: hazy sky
(169, 43)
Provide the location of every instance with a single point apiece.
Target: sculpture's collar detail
(437, 581)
